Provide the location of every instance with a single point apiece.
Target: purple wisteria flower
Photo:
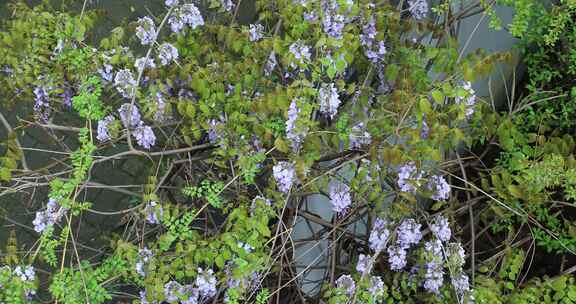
(129, 115)
(153, 212)
(171, 3)
(256, 32)
(144, 256)
(189, 295)
(293, 134)
(364, 264)
(285, 175)
(440, 228)
(461, 283)
(144, 136)
(346, 283)
(171, 291)
(141, 64)
(206, 283)
(167, 53)
(270, 64)
(103, 132)
(434, 276)
(340, 196)
(376, 288)
(310, 17)
(397, 257)
(425, 131)
(377, 52)
(329, 100)
(25, 273)
(333, 24)
(456, 254)
(146, 30)
(469, 100)
(368, 33)
(42, 107)
(125, 83)
(300, 51)
(379, 235)
(408, 233)
(160, 115)
(418, 8)
(359, 136)
(187, 14)
(408, 176)
(48, 217)
(106, 72)
(440, 187)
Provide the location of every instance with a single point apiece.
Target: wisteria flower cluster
(47, 218)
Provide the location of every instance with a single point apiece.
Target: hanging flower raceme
(26, 273)
(42, 107)
(346, 283)
(329, 100)
(300, 51)
(256, 32)
(146, 30)
(129, 115)
(340, 196)
(408, 177)
(167, 53)
(153, 212)
(294, 134)
(379, 235)
(47, 218)
(206, 283)
(469, 100)
(125, 83)
(142, 63)
(418, 8)
(187, 14)
(285, 175)
(144, 256)
(440, 187)
(103, 131)
(440, 228)
(359, 136)
(144, 136)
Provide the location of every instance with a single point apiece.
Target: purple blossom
(171, 3)
(25, 273)
(434, 277)
(376, 288)
(425, 131)
(359, 136)
(41, 104)
(329, 100)
(300, 51)
(171, 290)
(106, 72)
(189, 295)
(440, 186)
(294, 134)
(310, 17)
(144, 256)
(368, 33)
(256, 32)
(187, 14)
(103, 132)
(216, 132)
(340, 197)
(144, 136)
(379, 235)
(270, 64)
(418, 8)
(48, 217)
(160, 114)
(333, 25)
(206, 283)
(141, 64)
(469, 100)
(364, 264)
(377, 53)
(408, 233)
(407, 176)
(461, 283)
(146, 30)
(397, 257)
(346, 283)
(153, 212)
(129, 115)
(125, 83)
(167, 53)
(434, 250)
(285, 175)
(440, 228)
